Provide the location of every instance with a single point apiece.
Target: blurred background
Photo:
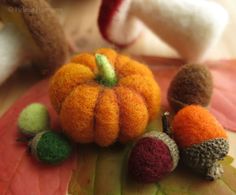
(79, 21)
(79, 18)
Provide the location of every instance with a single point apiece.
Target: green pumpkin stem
(106, 73)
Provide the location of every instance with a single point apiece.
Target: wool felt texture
(91, 112)
(194, 125)
(149, 160)
(33, 119)
(51, 147)
(191, 85)
(173, 148)
(35, 36)
(196, 26)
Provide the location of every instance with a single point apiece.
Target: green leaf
(112, 179)
(82, 181)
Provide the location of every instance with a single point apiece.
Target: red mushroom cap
(115, 23)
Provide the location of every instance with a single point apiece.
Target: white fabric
(191, 27)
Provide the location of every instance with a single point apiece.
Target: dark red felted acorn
(152, 157)
(191, 85)
(201, 139)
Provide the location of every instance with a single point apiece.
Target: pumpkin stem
(106, 73)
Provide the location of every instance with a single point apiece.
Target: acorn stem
(166, 123)
(106, 73)
(24, 139)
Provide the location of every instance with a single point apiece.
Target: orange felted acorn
(201, 139)
(104, 97)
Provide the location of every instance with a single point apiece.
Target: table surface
(89, 39)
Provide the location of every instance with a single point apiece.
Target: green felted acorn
(51, 147)
(34, 119)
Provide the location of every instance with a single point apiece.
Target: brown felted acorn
(191, 85)
(30, 34)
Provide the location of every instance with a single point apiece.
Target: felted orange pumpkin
(104, 97)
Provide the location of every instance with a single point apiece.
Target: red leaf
(20, 174)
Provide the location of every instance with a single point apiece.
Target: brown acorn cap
(191, 85)
(42, 24)
(203, 158)
(173, 148)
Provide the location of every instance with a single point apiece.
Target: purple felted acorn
(153, 156)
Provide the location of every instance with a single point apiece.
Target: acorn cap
(191, 85)
(203, 158)
(33, 119)
(50, 147)
(40, 30)
(173, 148)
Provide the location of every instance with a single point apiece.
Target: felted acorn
(152, 157)
(201, 139)
(50, 147)
(104, 97)
(33, 119)
(191, 85)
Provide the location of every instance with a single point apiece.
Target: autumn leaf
(19, 173)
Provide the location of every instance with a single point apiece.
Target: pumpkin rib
(106, 118)
(148, 90)
(87, 60)
(119, 116)
(133, 124)
(92, 82)
(119, 103)
(62, 83)
(125, 66)
(94, 111)
(121, 61)
(77, 112)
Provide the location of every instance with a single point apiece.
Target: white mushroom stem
(16, 45)
(191, 27)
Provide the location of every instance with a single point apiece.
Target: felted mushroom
(190, 27)
(30, 34)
